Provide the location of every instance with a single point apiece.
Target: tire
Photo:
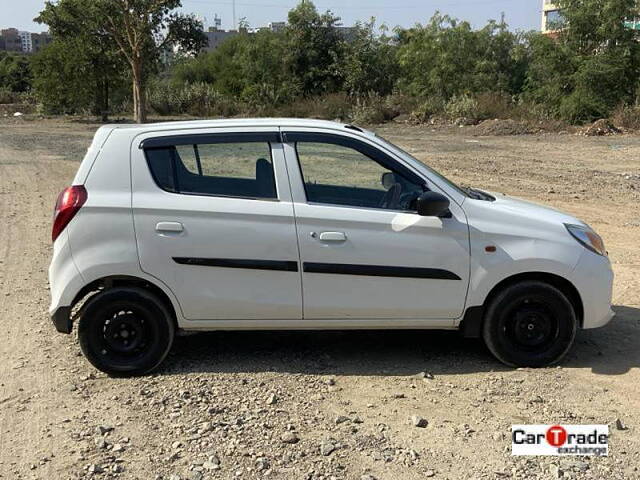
(530, 324)
(125, 331)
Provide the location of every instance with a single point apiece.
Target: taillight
(69, 202)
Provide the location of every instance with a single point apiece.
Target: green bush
(462, 107)
(8, 96)
(626, 117)
(428, 109)
(491, 105)
(198, 99)
(167, 99)
(373, 109)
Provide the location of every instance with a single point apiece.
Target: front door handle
(333, 237)
(169, 227)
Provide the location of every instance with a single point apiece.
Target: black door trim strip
(209, 138)
(379, 271)
(280, 265)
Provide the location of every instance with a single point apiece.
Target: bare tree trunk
(105, 100)
(143, 102)
(136, 102)
(139, 97)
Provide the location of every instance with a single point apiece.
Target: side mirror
(432, 204)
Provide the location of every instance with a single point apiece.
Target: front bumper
(61, 318)
(593, 277)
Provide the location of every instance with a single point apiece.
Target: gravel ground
(318, 405)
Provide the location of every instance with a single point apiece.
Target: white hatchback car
(300, 224)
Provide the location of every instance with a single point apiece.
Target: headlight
(587, 237)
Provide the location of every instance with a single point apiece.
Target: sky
(520, 14)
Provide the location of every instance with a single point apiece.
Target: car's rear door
(214, 221)
(365, 252)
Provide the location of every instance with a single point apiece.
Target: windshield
(462, 191)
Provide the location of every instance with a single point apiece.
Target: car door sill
(321, 324)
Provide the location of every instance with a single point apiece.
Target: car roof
(234, 122)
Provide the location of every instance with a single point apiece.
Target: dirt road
(318, 405)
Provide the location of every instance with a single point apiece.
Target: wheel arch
(471, 325)
(113, 281)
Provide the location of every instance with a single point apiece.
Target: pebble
(289, 437)
(102, 429)
(262, 464)
(419, 422)
(100, 442)
(327, 447)
(620, 425)
(212, 463)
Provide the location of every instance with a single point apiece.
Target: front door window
(340, 175)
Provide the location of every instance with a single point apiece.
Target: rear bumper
(65, 282)
(61, 319)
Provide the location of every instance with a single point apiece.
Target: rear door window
(233, 169)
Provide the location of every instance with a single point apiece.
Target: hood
(515, 218)
(534, 211)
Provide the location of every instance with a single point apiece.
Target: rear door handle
(333, 237)
(169, 227)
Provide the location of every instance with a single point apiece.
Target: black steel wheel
(530, 324)
(125, 331)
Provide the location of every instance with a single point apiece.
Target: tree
(15, 72)
(446, 58)
(142, 30)
(593, 65)
(548, 78)
(81, 67)
(245, 67)
(370, 63)
(314, 49)
(70, 78)
(137, 30)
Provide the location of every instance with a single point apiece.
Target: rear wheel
(125, 331)
(530, 324)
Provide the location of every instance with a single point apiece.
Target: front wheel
(125, 331)
(530, 324)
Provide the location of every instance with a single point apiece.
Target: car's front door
(214, 221)
(365, 252)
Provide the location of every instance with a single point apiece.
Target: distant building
(215, 37)
(633, 24)
(25, 38)
(552, 19)
(40, 40)
(13, 40)
(277, 26)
